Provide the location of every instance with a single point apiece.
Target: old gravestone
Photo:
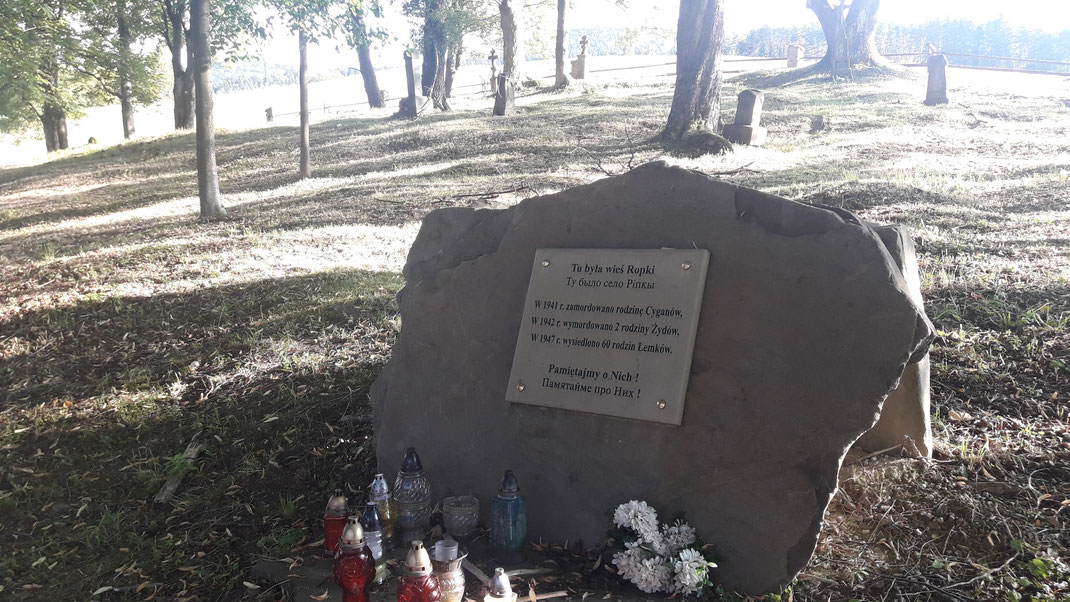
(804, 325)
(412, 105)
(745, 128)
(795, 53)
(936, 90)
(579, 64)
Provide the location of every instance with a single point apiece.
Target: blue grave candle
(509, 517)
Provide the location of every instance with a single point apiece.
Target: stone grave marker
(804, 325)
(493, 72)
(504, 96)
(936, 91)
(579, 64)
(745, 128)
(795, 53)
(412, 105)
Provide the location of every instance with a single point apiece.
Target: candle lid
(509, 486)
(411, 463)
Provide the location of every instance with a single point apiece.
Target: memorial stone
(745, 129)
(493, 73)
(936, 91)
(905, 416)
(805, 324)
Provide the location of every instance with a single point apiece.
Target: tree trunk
(126, 87)
(302, 82)
(371, 85)
(697, 98)
(849, 35)
(512, 49)
(434, 47)
(453, 63)
(364, 55)
(53, 115)
(54, 122)
(207, 174)
(183, 86)
(560, 78)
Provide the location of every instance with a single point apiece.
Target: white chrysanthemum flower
(654, 575)
(635, 515)
(629, 561)
(691, 569)
(678, 536)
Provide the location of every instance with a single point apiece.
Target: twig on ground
(174, 480)
(875, 454)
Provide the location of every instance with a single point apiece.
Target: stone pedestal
(745, 128)
(412, 107)
(795, 53)
(504, 96)
(936, 92)
(579, 67)
(750, 135)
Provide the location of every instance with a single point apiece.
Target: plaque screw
(520, 386)
(686, 265)
(661, 404)
(545, 263)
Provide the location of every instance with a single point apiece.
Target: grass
(129, 328)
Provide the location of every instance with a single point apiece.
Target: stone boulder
(807, 323)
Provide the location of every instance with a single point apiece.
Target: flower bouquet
(658, 557)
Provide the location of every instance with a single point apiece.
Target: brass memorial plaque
(610, 331)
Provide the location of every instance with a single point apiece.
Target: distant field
(128, 327)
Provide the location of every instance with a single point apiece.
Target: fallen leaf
(958, 416)
(323, 596)
(270, 419)
(37, 562)
(250, 585)
(106, 588)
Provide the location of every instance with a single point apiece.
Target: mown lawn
(128, 328)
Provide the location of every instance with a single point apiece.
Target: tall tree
(512, 44)
(360, 37)
(309, 19)
(207, 173)
(849, 28)
(174, 26)
(560, 77)
(697, 98)
(38, 87)
(433, 78)
(117, 53)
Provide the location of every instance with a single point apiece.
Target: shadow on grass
(136, 345)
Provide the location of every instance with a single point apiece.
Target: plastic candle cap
(380, 490)
(353, 536)
(499, 584)
(336, 505)
(417, 562)
(509, 487)
(372, 520)
(411, 463)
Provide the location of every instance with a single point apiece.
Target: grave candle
(417, 584)
(413, 495)
(354, 567)
(373, 532)
(388, 510)
(334, 520)
(509, 518)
